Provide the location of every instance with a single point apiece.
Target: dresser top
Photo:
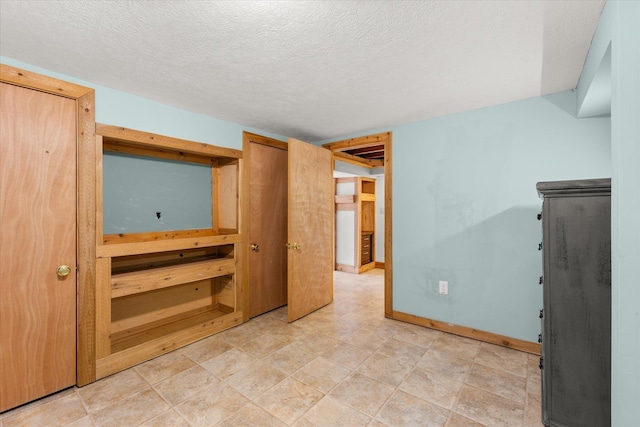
(602, 185)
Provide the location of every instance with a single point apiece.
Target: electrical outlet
(443, 287)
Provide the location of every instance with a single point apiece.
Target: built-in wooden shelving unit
(158, 291)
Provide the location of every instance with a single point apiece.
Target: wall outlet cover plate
(443, 287)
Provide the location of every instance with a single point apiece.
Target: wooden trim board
(86, 300)
(358, 161)
(367, 267)
(359, 142)
(136, 248)
(464, 331)
(388, 223)
(380, 265)
(154, 236)
(264, 140)
(160, 142)
(245, 209)
(42, 83)
(346, 268)
(103, 308)
(136, 150)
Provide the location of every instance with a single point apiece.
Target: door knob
(293, 246)
(63, 270)
(255, 247)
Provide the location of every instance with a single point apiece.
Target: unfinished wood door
(310, 229)
(38, 221)
(267, 228)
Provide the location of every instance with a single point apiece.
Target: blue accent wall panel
(144, 194)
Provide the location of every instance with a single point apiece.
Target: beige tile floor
(344, 365)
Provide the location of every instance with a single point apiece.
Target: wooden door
(38, 222)
(267, 228)
(310, 229)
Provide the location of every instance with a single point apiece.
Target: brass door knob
(293, 246)
(255, 247)
(63, 270)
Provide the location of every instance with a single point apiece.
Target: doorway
(354, 151)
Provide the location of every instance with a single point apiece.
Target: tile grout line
(455, 403)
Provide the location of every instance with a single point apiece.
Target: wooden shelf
(148, 280)
(349, 198)
(149, 261)
(136, 248)
(110, 239)
(190, 330)
(132, 337)
(367, 186)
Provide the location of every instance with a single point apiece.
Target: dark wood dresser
(575, 359)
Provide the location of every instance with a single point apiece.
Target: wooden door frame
(85, 210)
(385, 138)
(247, 139)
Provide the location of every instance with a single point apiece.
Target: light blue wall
(118, 108)
(144, 194)
(625, 121)
(619, 29)
(465, 206)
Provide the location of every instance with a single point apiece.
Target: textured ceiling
(310, 69)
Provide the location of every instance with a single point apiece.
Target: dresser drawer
(366, 248)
